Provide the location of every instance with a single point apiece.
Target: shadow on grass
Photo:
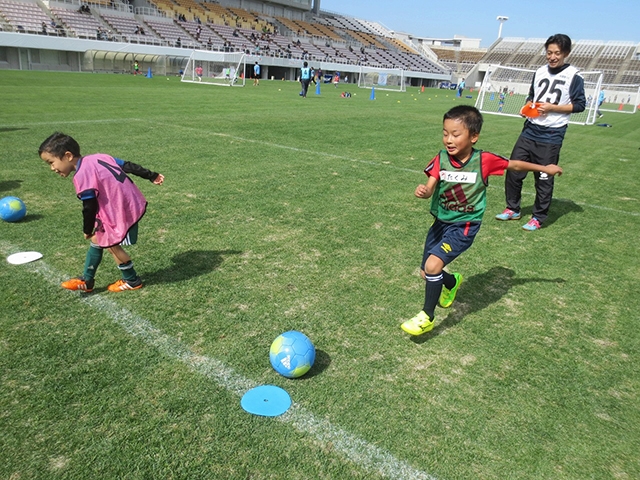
(559, 207)
(478, 292)
(12, 129)
(322, 362)
(188, 265)
(8, 185)
(31, 218)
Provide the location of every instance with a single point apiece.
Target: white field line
(355, 449)
(367, 162)
(294, 149)
(71, 122)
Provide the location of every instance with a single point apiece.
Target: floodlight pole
(501, 19)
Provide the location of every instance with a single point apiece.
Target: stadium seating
(321, 37)
(130, 28)
(82, 25)
(26, 17)
(172, 33)
(615, 59)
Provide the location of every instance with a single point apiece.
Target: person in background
(305, 79)
(558, 88)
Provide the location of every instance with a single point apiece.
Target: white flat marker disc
(23, 257)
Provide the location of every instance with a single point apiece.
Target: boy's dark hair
(468, 115)
(563, 41)
(58, 144)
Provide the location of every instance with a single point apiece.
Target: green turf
(281, 213)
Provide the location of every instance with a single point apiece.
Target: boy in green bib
(457, 180)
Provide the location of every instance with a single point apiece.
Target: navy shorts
(448, 240)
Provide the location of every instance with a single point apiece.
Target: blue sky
(580, 19)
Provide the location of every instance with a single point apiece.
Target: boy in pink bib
(112, 206)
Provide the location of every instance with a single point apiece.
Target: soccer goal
(504, 91)
(391, 79)
(216, 68)
(619, 98)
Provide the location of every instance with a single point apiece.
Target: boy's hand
(422, 191)
(553, 170)
(159, 179)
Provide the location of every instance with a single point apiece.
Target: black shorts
(132, 236)
(448, 240)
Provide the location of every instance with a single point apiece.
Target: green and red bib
(461, 193)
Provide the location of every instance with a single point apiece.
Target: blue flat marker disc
(266, 400)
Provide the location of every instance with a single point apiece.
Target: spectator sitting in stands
(84, 8)
(235, 33)
(44, 28)
(209, 44)
(178, 43)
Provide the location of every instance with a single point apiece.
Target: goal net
(215, 68)
(391, 79)
(504, 91)
(619, 98)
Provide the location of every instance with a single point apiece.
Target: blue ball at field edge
(292, 354)
(12, 209)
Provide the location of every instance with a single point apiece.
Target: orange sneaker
(122, 285)
(78, 283)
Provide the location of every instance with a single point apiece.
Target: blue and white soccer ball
(12, 209)
(292, 354)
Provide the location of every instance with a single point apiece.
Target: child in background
(112, 206)
(457, 180)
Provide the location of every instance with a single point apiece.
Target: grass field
(281, 213)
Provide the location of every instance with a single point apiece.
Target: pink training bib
(120, 202)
